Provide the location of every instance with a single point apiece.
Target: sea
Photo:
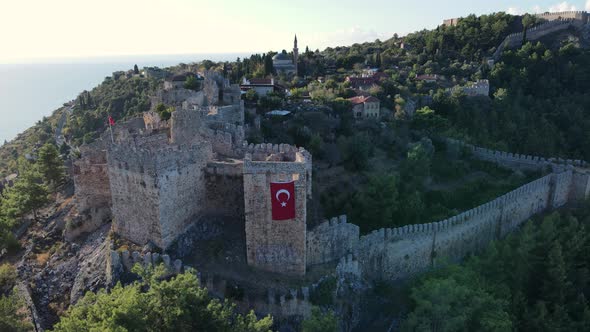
(30, 91)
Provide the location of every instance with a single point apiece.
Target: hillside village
(175, 166)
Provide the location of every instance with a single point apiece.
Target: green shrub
(7, 277)
(324, 293)
(320, 322)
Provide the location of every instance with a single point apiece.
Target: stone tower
(276, 245)
(295, 54)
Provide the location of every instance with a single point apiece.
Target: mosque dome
(281, 56)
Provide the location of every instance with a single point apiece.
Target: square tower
(276, 245)
(158, 190)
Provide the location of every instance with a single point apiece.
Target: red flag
(111, 121)
(282, 196)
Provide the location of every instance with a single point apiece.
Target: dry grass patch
(42, 258)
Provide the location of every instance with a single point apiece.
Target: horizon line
(84, 58)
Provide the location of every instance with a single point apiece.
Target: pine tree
(27, 195)
(536, 319)
(135, 69)
(268, 65)
(555, 283)
(580, 313)
(51, 165)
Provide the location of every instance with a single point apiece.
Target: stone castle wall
(279, 304)
(580, 185)
(191, 125)
(91, 177)
(275, 245)
(580, 17)
(92, 190)
(156, 194)
(135, 201)
(225, 189)
(515, 40)
(331, 240)
(402, 252)
(186, 125)
(390, 254)
(153, 122)
(178, 97)
(230, 114)
(225, 139)
(515, 161)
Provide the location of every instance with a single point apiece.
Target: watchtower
(276, 245)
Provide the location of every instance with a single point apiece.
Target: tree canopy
(534, 280)
(177, 303)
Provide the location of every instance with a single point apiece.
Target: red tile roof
(363, 99)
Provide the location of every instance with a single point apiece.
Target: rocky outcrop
(24, 293)
(91, 274)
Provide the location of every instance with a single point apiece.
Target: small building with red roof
(365, 106)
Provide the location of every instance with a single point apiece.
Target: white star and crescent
(278, 194)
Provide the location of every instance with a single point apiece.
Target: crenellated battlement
(514, 40)
(515, 160)
(577, 15)
(347, 266)
(265, 151)
(143, 158)
(341, 236)
(153, 122)
(232, 168)
(393, 253)
(282, 158)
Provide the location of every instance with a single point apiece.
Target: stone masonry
(159, 178)
(391, 254)
(276, 245)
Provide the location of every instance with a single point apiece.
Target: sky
(34, 30)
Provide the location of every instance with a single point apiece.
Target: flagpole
(111, 129)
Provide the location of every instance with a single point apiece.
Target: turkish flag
(282, 196)
(111, 121)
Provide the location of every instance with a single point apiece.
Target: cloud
(348, 36)
(562, 7)
(558, 7)
(515, 10)
(588, 5)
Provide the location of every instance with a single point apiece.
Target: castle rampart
(579, 17)
(331, 240)
(401, 252)
(516, 39)
(515, 161)
(91, 178)
(153, 122)
(92, 187)
(390, 254)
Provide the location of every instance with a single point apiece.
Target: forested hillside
(540, 105)
(535, 280)
(386, 171)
